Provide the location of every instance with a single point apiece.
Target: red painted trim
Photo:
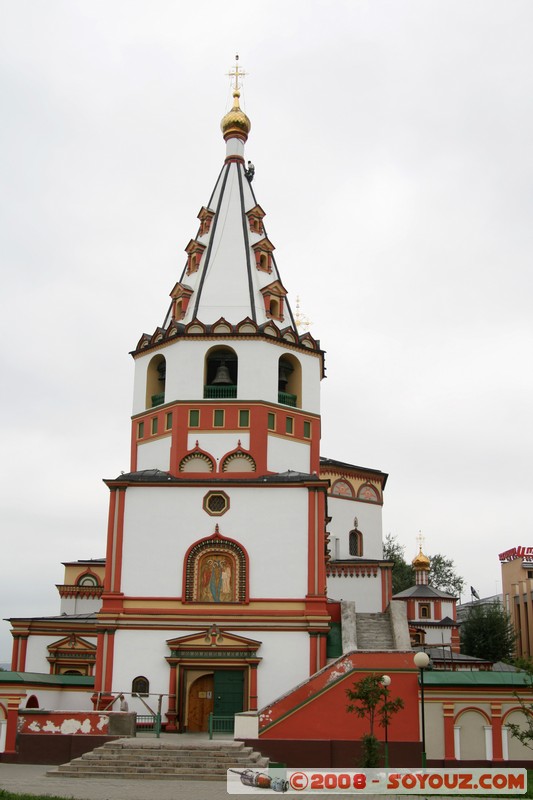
(449, 741)
(12, 724)
(23, 651)
(99, 669)
(323, 657)
(15, 654)
(253, 687)
(119, 544)
(313, 653)
(496, 722)
(311, 544)
(110, 536)
(108, 680)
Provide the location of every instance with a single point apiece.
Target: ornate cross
(236, 73)
(420, 540)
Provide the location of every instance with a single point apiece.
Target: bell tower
(217, 533)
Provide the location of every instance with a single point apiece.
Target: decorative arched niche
(289, 381)
(220, 373)
(369, 493)
(155, 381)
(341, 488)
(216, 571)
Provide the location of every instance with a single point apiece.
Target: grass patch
(15, 796)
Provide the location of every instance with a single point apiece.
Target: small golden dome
(235, 122)
(420, 561)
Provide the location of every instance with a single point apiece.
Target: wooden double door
(220, 692)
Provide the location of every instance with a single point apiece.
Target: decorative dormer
(274, 296)
(205, 215)
(181, 294)
(263, 255)
(194, 251)
(255, 219)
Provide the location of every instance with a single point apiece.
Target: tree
(488, 633)
(442, 574)
(524, 732)
(370, 698)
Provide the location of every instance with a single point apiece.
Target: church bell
(222, 375)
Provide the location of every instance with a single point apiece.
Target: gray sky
(392, 145)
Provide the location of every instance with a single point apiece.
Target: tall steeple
(230, 270)
(229, 336)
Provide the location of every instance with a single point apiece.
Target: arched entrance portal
(213, 671)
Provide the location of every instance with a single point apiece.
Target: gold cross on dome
(236, 73)
(420, 540)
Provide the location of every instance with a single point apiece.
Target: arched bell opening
(155, 381)
(220, 373)
(290, 381)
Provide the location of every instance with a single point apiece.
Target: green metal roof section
(439, 677)
(46, 680)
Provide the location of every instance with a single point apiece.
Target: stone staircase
(374, 632)
(163, 760)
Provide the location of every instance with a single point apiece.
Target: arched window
(32, 702)
(221, 368)
(215, 572)
(290, 381)
(87, 580)
(140, 685)
(355, 540)
(155, 381)
(238, 462)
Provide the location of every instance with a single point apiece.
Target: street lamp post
(421, 661)
(386, 681)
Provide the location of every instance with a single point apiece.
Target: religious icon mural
(216, 578)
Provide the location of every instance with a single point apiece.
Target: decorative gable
(194, 252)
(274, 297)
(71, 655)
(263, 254)
(205, 215)
(181, 294)
(255, 219)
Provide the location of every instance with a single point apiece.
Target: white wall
(369, 516)
(257, 372)
(154, 454)
(285, 662)
(80, 605)
(365, 592)
(284, 454)
(162, 522)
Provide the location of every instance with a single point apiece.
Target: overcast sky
(393, 150)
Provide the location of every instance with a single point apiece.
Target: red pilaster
(110, 650)
(313, 653)
(311, 544)
(496, 721)
(12, 702)
(322, 654)
(110, 538)
(253, 687)
(449, 743)
(23, 651)
(15, 653)
(171, 710)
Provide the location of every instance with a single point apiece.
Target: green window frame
(271, 422)
(194, 418)
(140, 430)
(218, 418)
(244, 418)
(307, 429)
(289, 424)
(168, 420)
(155, 425)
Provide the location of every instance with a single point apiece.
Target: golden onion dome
(420, 561)
(235, 122)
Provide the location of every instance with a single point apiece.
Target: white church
(231, 543)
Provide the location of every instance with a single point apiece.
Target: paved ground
(31, 779)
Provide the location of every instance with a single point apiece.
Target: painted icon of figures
(216, 584)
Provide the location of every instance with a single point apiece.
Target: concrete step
(162, 760)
